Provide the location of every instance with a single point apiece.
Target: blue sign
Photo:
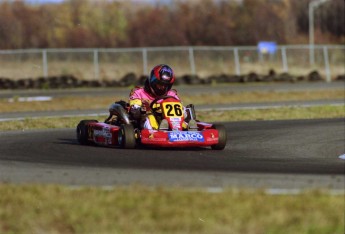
(186, 136)
(267, 47)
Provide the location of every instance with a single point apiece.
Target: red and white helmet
(160, 81)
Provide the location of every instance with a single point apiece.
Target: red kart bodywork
(107, 135)
(205, 136)
(103, 134)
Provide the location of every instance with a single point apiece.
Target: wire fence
(113, 64)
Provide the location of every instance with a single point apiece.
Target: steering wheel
(154, 110)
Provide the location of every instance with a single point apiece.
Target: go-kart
(120, 129)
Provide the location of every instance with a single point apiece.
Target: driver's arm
(135, 103)
(135, 108)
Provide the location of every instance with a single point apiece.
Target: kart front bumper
(207, 137)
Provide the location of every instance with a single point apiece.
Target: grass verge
(89, 102)
(135, 209)
(210, 116)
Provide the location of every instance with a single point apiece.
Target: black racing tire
(82, 131)
(126, 136)
(222, 137)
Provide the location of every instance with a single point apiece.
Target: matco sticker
(186, 136)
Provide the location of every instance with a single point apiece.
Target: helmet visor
(160, 88)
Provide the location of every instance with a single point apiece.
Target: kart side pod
(117, 110)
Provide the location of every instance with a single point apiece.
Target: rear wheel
(82, 131)
(127, 136)
(222, 136)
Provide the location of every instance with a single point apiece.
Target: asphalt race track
(291, 154)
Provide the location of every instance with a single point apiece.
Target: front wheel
(126, 136)
(222, 137)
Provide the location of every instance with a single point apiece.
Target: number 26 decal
(172, 110)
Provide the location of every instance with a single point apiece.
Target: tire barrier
(130, 79)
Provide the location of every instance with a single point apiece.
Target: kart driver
(158, 84)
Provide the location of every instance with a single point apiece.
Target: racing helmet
(160, 81)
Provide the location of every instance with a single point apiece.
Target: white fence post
(45, 63)
(284, 60)
(327, 70)
(145, 61)
(237, 62)
(191, 60)
(96, 64)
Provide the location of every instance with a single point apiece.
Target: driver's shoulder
(172, 92)
(136, 89)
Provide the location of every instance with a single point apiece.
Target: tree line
(110, 24)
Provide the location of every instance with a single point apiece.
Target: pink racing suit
(138, 96)
(139, 93)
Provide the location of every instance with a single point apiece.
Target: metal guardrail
(113, 63)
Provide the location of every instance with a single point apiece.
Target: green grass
(284, 113)
(90, 102)
(136, 209)
(211, 116)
